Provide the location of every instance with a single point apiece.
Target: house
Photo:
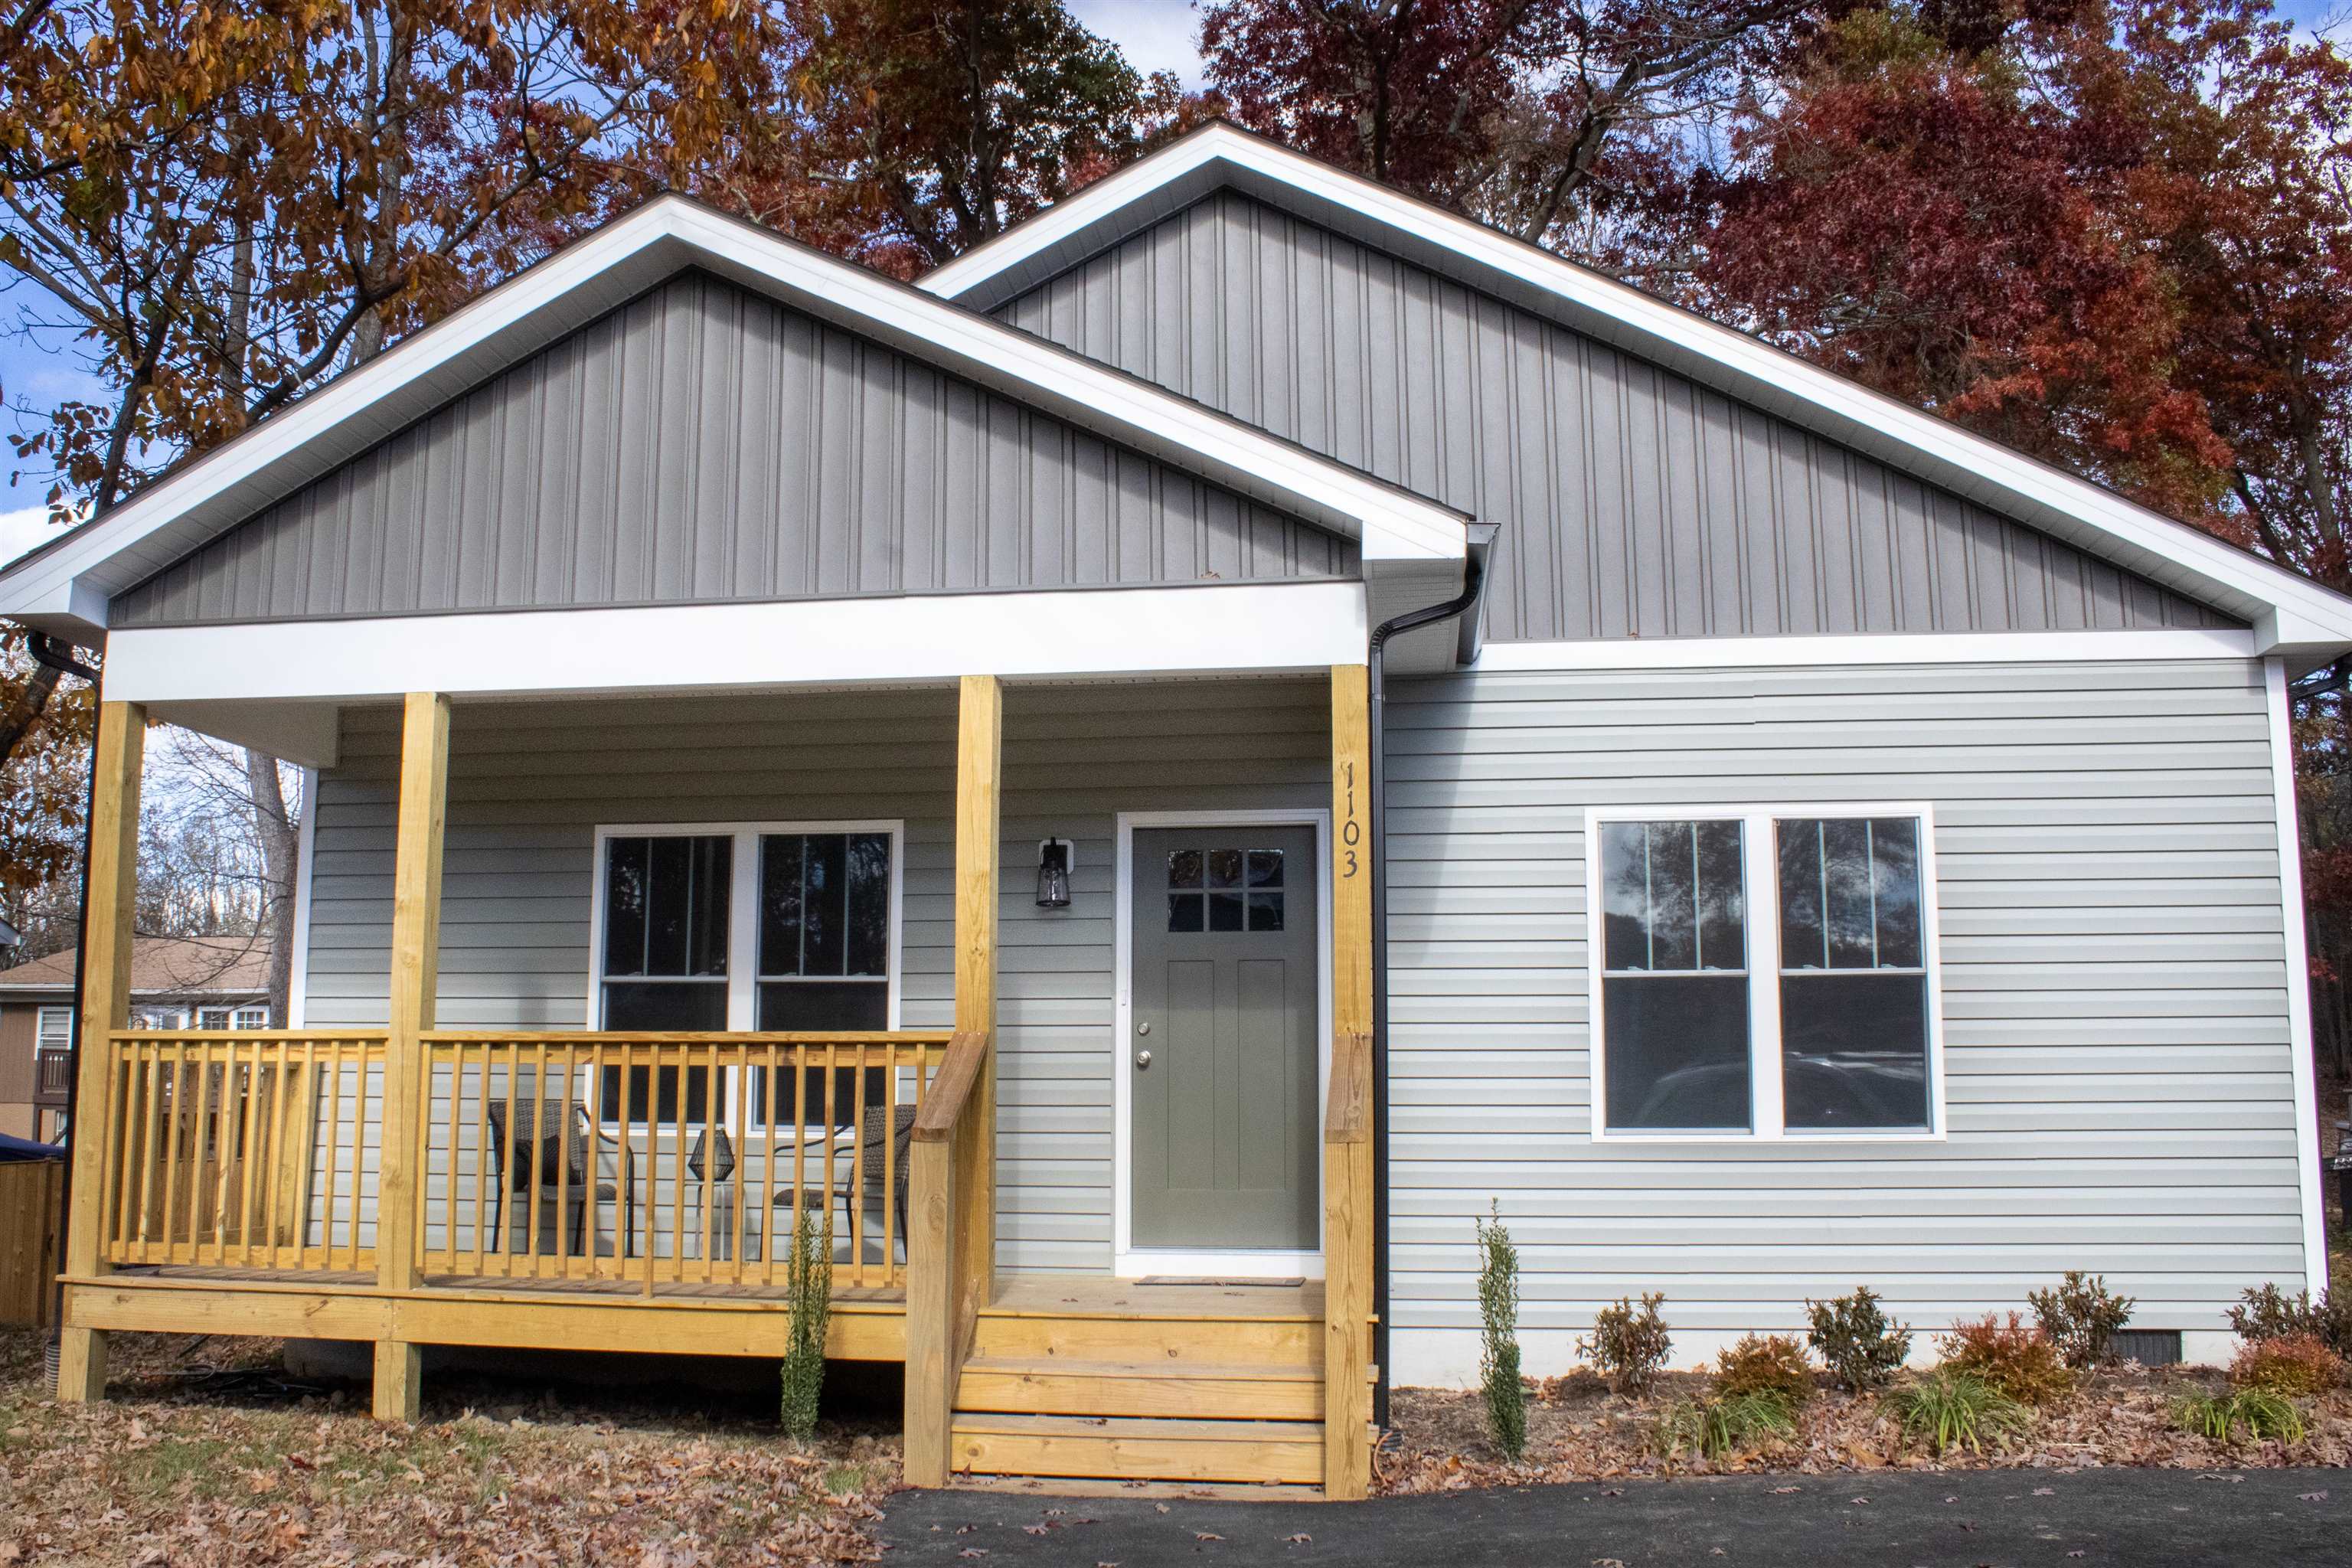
(1235, 725)
(177, 982)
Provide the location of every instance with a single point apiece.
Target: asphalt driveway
(1979, 1520)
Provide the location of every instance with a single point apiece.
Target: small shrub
(1947, 1409)
(2014, 1359)
(1773, 1364)
(1498, 1358)
(1720, 1427)
(1860, 1345)
(2291, 1364)
(808, 1290)
(2256, 1412)
(1628, 1347)
(2081, 1317)
(2269, 1314)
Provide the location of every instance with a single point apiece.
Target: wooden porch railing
(667, 1159)
(943, 1300)
(254, 1150)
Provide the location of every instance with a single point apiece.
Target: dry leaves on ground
(166, 1473)
(1579, 1432)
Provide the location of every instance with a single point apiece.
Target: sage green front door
(1220, 1055)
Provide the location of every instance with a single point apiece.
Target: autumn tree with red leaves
(913, 129)
(1552, 118)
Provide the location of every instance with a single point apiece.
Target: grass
(1717, 1428)
(2257, 1413)
(1946, 1411)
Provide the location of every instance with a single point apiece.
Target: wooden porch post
(113, 894)
(415, 980)
(1347, 1147)
(979, 765)
(951, 1237)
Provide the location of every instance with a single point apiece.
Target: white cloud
(26, 527)
(1155, 35)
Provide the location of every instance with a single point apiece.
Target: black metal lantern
(1054, 873)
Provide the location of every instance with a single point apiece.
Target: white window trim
(742, 894)
(1763, 911)
(41, 1029)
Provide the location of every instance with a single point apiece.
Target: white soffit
(65, 585)
(1203, 629)
(2289, 613)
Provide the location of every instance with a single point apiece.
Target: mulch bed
(206, 1453)
(1578, 1431)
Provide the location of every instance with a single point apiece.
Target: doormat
(1292, 1282)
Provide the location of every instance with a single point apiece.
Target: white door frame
(1127, 1261)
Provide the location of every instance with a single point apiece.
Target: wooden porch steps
(1144, 1385)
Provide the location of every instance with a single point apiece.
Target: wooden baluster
(173, 1109)
(506, 1154)
(202, 1130)
(653, 1151)
(250, 1143)
(334, 1151)
(539, 1130)
(705, 1220)
(801, 1054)
(768, 1170)
(832, 1136)
(563, 1190)
(271, 1213)
(858, 1172)
(122, 1128)
(741, 1079)
(890, 1166)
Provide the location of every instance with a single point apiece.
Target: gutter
(1471, 606)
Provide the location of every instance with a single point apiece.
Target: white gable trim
(67, 585)
(2291, 614)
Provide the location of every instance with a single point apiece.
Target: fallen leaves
(172, 1474)
(1580, 1433)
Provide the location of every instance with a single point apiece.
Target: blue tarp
(25, 1148)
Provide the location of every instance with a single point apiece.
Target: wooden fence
(32, 1219)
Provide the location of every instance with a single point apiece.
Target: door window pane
(1853, 991)
(1674, 994)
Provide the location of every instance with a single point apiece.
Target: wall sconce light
(1053, 857)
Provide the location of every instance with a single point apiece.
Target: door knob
(1142, 1060)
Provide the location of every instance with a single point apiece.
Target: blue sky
(1155, 33)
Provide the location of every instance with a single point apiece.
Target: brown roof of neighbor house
(164, 966)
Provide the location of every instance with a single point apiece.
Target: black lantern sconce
(1054, 873)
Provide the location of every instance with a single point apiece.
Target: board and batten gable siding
(2117, 1065)
(704, 444)
(1630, 501)
(529, 782)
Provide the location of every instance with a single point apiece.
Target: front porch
(636, 1189)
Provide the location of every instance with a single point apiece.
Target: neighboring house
(177, 982)
(748, 697)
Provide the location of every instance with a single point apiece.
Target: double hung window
(1764, 973)
(780, 928)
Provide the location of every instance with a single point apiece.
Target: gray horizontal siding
(704, 444)
(2117, 1069)
(528, 784)
(1631, 501)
